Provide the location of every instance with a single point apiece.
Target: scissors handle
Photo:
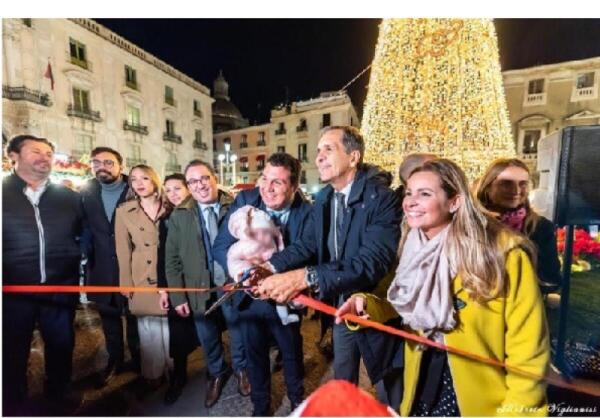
(221, 300)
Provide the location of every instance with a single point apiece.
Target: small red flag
(49, 75)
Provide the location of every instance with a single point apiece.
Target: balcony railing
(281, 131)
(170, 101)
(83, 113)
(198, 112)
(301, 128)
(244, 169)
(171, 137)
(260, 167)
(23, 93)
(535, 99)
(85, 64)
(140, 129)
(173, 168)
(200, 145)
(243, 145)
(585, 93)
(261, 143)
(131, 162)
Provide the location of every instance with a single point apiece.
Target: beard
(105, 177)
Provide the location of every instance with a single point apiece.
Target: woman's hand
(183, 310)
(163, 301)
(356, 305)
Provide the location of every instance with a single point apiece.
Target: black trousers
(54, 316)
(259, 322)
(112, 326)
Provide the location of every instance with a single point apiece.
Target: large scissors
(230, 291)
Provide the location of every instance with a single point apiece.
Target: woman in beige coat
(137, 240)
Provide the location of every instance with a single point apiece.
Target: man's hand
(356, 305)
(183, 310)
(282, 287)
(256, 276)
(163, 301)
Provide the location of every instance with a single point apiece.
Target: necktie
(339, 222)
(212, 224)
(212, 227)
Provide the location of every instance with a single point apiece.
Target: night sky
(267, 61)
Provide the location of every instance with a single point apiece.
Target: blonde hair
(156, 182)
(483, 186)
(474, 245)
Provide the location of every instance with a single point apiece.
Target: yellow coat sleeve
(527, 344)
(378, 309)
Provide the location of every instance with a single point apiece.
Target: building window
(83, 145)
(302, 153)
(130, 77)
(170, 127)
(197, 108)
(585, 80)
(81, 100)
(303, 177)
(281, 129)
(78, 54)
(326, 120)
(530, 141)
(261, 139)
(198, 144)
(303, 126)
(172, 165)
(133, 116)
(536, 86)
(135, 155)
(169, 96)
(244, 141)
(281, 148)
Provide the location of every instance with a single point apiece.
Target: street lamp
(227, 159)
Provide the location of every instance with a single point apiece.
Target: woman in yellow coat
(466, 281)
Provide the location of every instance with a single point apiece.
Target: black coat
(61, 217)
(548, 266)
(99, 236)
(370, 236)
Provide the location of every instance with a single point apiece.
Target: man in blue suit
(279, 196)
(354, 233)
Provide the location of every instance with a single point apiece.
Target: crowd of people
(462, 264)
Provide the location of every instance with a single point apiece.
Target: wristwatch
(311, 279)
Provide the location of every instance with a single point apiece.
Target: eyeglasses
(201, 180)
(107, 163)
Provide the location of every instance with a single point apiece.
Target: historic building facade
(294, 129)
(250, 147)
(81, 85)
(546, 98)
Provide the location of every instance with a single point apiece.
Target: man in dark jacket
(101, 196)
(190, 262)
(354, 234)
(277, 195)
(41, 227)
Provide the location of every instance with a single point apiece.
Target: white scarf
(421, 290)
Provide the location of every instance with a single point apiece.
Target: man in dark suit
(190, 262)
(354, 234)
(100, 197)
(278, 195)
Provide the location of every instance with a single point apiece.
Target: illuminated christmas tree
(436, 87)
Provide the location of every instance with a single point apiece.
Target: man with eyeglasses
(189, 263)
(101, 196)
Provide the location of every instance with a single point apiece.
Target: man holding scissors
(278, 195)
(189, 262)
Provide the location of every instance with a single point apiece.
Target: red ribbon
(318, 306)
